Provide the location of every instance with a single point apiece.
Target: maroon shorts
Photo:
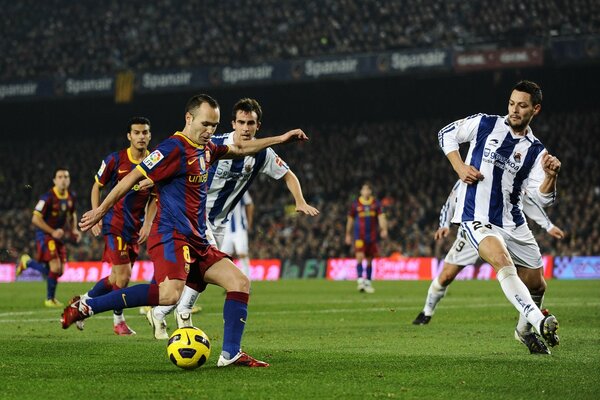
(49, 249)
(118, 252)
(369, 249)
(174, 257)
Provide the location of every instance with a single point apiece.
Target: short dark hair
(196, 101)
(532, 88)
(137, 121)
(247, 105)
(61, 168)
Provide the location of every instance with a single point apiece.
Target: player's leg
(25, 261)
(55, 271)
(235, 311)
(492, 248)
(240, 247)
(119, 277)
(461, 253)
(359, 256)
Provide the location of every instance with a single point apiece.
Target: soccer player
(228, 181)
(504, 159)
(127, 224)
(462, 253)
(177, 243)
(365, 221)
(55, 219)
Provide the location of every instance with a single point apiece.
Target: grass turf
(323, 340)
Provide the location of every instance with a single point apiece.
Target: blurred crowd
(401, 158)
(58, 38)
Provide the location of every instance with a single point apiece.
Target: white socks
(517, 293)
(434, 295)
(187, 300)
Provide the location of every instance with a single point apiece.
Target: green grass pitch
(324, 340)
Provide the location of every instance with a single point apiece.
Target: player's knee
(122, 282)
(241, 284)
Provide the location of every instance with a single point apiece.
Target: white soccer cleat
(158, 327)
(360, 284)
(184, 319)
(367, 287)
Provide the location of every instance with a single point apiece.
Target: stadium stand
(57, 38)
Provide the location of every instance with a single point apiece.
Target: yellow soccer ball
(188, 348)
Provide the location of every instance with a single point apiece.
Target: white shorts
(519, 241)
(462, 251)
(215, 235)
(235, 242)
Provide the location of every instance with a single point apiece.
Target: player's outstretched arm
(91, 217)
(249, 147)
(293, 184)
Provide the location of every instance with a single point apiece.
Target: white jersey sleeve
(461, 131)
(447, 211)
(274, 166)
(536, 177)
(536, 212)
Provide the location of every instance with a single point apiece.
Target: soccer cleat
(53, 303)
(22, 265)
(144, 310)
(77, 310)
(422, 319)
(360, 285)
(549, 329)
(122, 329)
(242, 359)
(78, 324)
(368, 288)
(533, 341)
(159, 328)
(183, 319)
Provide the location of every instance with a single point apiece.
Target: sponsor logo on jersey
(153, 158)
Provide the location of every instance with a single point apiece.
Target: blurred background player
(177, 243)
(504, 160)
(235, 241)
(228, 180)
(55, 219)
(462, 253)
(366, 222)
(127, 224)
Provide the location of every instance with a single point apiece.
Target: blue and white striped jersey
(509, 163)
(228, 180)
(238, 220)
(531, 208)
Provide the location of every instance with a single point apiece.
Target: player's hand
(307, 209)
(145, 184)
(58, 233)
(550, 164)
(383, 234)
(97, 229)
(144, 233)
(77, 235)
(469, 174)
(348, 239)
(441, 233)
(294, 135)
(556, 232)
(89, 219)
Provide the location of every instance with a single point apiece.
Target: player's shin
(434, 295)
(523, 326)
(187, 300)
(235, 312)
(517, 293)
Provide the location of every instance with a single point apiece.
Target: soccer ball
(188, 348)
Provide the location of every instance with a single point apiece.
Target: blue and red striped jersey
(54, 209)
(179, 169)
(365, 213)
(125, 218)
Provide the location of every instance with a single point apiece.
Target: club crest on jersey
(153, 158)
(517, 157)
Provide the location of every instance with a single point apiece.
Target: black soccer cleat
(422, 319)
(534, 342)
(549, 329)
